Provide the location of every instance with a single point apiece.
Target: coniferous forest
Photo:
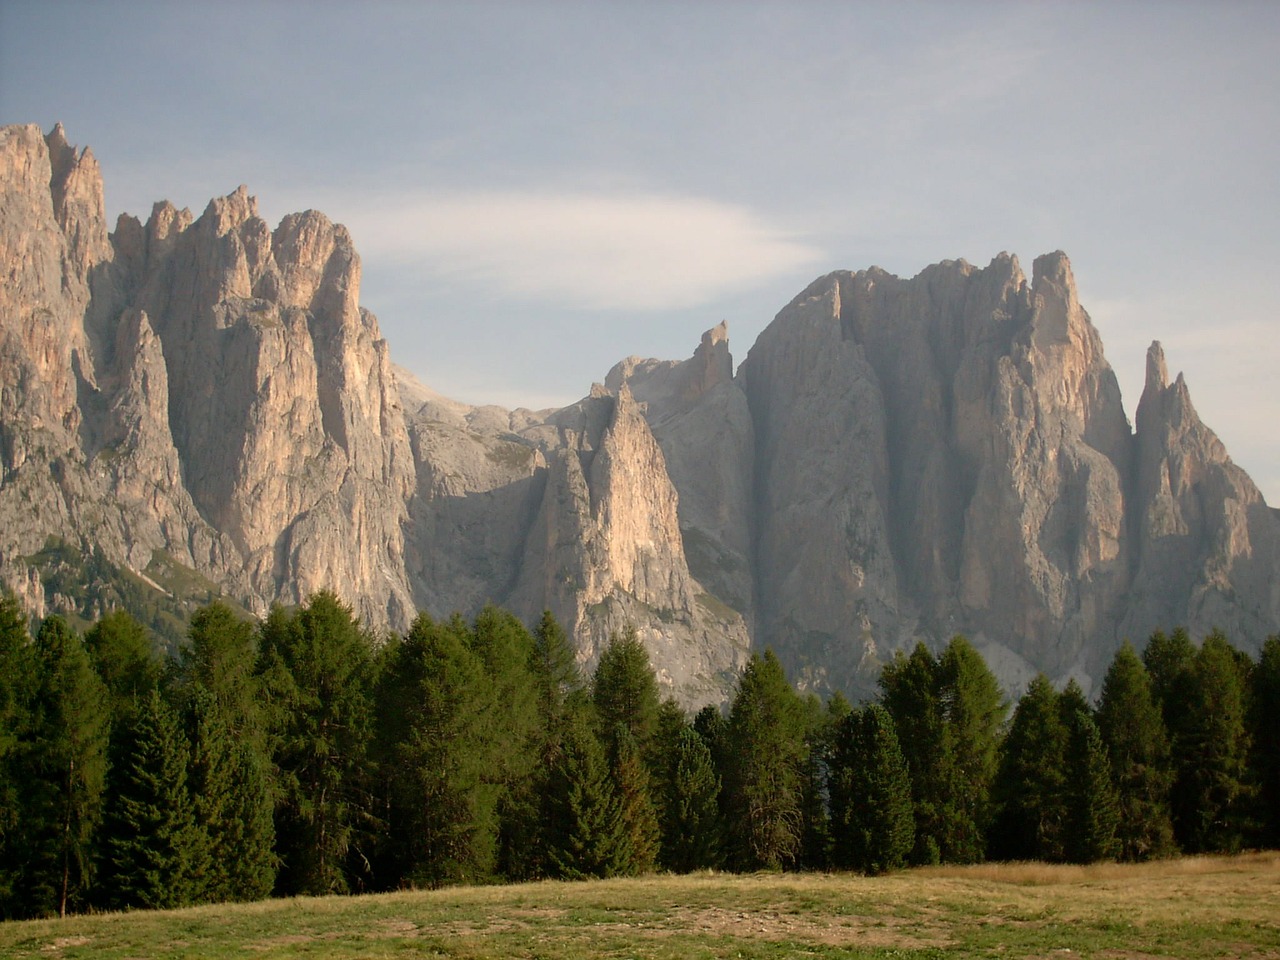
(303, 755)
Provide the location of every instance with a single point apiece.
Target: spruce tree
(625, 691)
(909, 691)
(1133, 730)
(873, 825)
(1210, 790)
(973, 712)
(221, 657)
(444, 796)
(766, 757)
(1030, 787)
(233, 803)
(635, 804)
(692, 837)
(585, 831)
(157, 856)
(316, 666)
(16, 669)
(122, 653)
(1265, 740)
(1092, 805)
(63, 773)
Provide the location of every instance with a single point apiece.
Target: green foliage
(1265, 740)
(1211, 748)
(872, 820)
(1092, 805)
(16, 681)
(221, 657)
(586, 836)
(692, 834)
(764, 768)
(1133, 730)
(63, 773)
(635, 805)
(1030, 788)
(157, 855)
(625, 691)
(908, 690)
(316, 667)
(123, 655)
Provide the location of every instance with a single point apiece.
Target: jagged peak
(227, 213)
(1157, 372)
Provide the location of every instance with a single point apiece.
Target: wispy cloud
(581, 250)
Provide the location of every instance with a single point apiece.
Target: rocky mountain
(194, 406)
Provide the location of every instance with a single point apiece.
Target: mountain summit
(194, 405)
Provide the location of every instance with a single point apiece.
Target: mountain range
(199, 406)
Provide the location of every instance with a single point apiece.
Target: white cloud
(591, 251)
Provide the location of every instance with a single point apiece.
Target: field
(1194, 907)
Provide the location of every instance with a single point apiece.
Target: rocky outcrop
(202, 400)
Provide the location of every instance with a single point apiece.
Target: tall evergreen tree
(16, 682)
(221, 656)
(1265, 740)
(444, 800)
(586, 836)
(157, 856)
(872, 818)
(232, 803)
(122, 653)
(1133, 730)
(635, 805)
(316, 666)
(1092, 806)
(909, 691)
(766, 756)
(819, 743)
(64, 773)
(692, 836)
(973, 712)
(1169, 660)
(1030, 788)
(625, 691)
(1209, 792)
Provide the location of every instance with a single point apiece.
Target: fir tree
(316, 671)
(692, 834)
(973, 711)
(1133, 730)
(63, 774)
(233, 804)
(1030, 788)
(766, 756)
(635, 805)
(1265, 740)
(586, 836)
(1211, 750)
(872, 820)
(1092, 806)
(157, 856)
(625, 691)
(16, 668)
(909, 691)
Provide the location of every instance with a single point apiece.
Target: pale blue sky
(540, 189)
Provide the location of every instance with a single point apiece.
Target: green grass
(1190, 908)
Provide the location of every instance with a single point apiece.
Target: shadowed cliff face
(896, 460)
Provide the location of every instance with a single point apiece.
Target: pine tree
(1092, 806)
(1133, 730)
(444, 798)
(1265, 737)
(635, 805)
(1030, 788)
(872, 820)
(221, 657)
(625, 691)
(973, 712)
(16, 669)
(122, 653)
(1209, 793)
(692, 837)
(232, 804)
(909, 691)
(63, 773)
(156, 853)
(586, 836)
(1169, 661)
(766, 756)
(316, 667)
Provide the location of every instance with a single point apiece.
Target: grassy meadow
(1190, 907)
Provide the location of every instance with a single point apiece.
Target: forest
(303, 755)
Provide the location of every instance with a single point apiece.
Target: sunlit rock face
(895, 461)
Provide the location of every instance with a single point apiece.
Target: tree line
(302, 755)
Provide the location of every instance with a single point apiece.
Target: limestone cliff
(195, 405)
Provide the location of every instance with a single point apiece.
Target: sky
(540, 189)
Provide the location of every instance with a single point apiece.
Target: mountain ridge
(894, 461)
